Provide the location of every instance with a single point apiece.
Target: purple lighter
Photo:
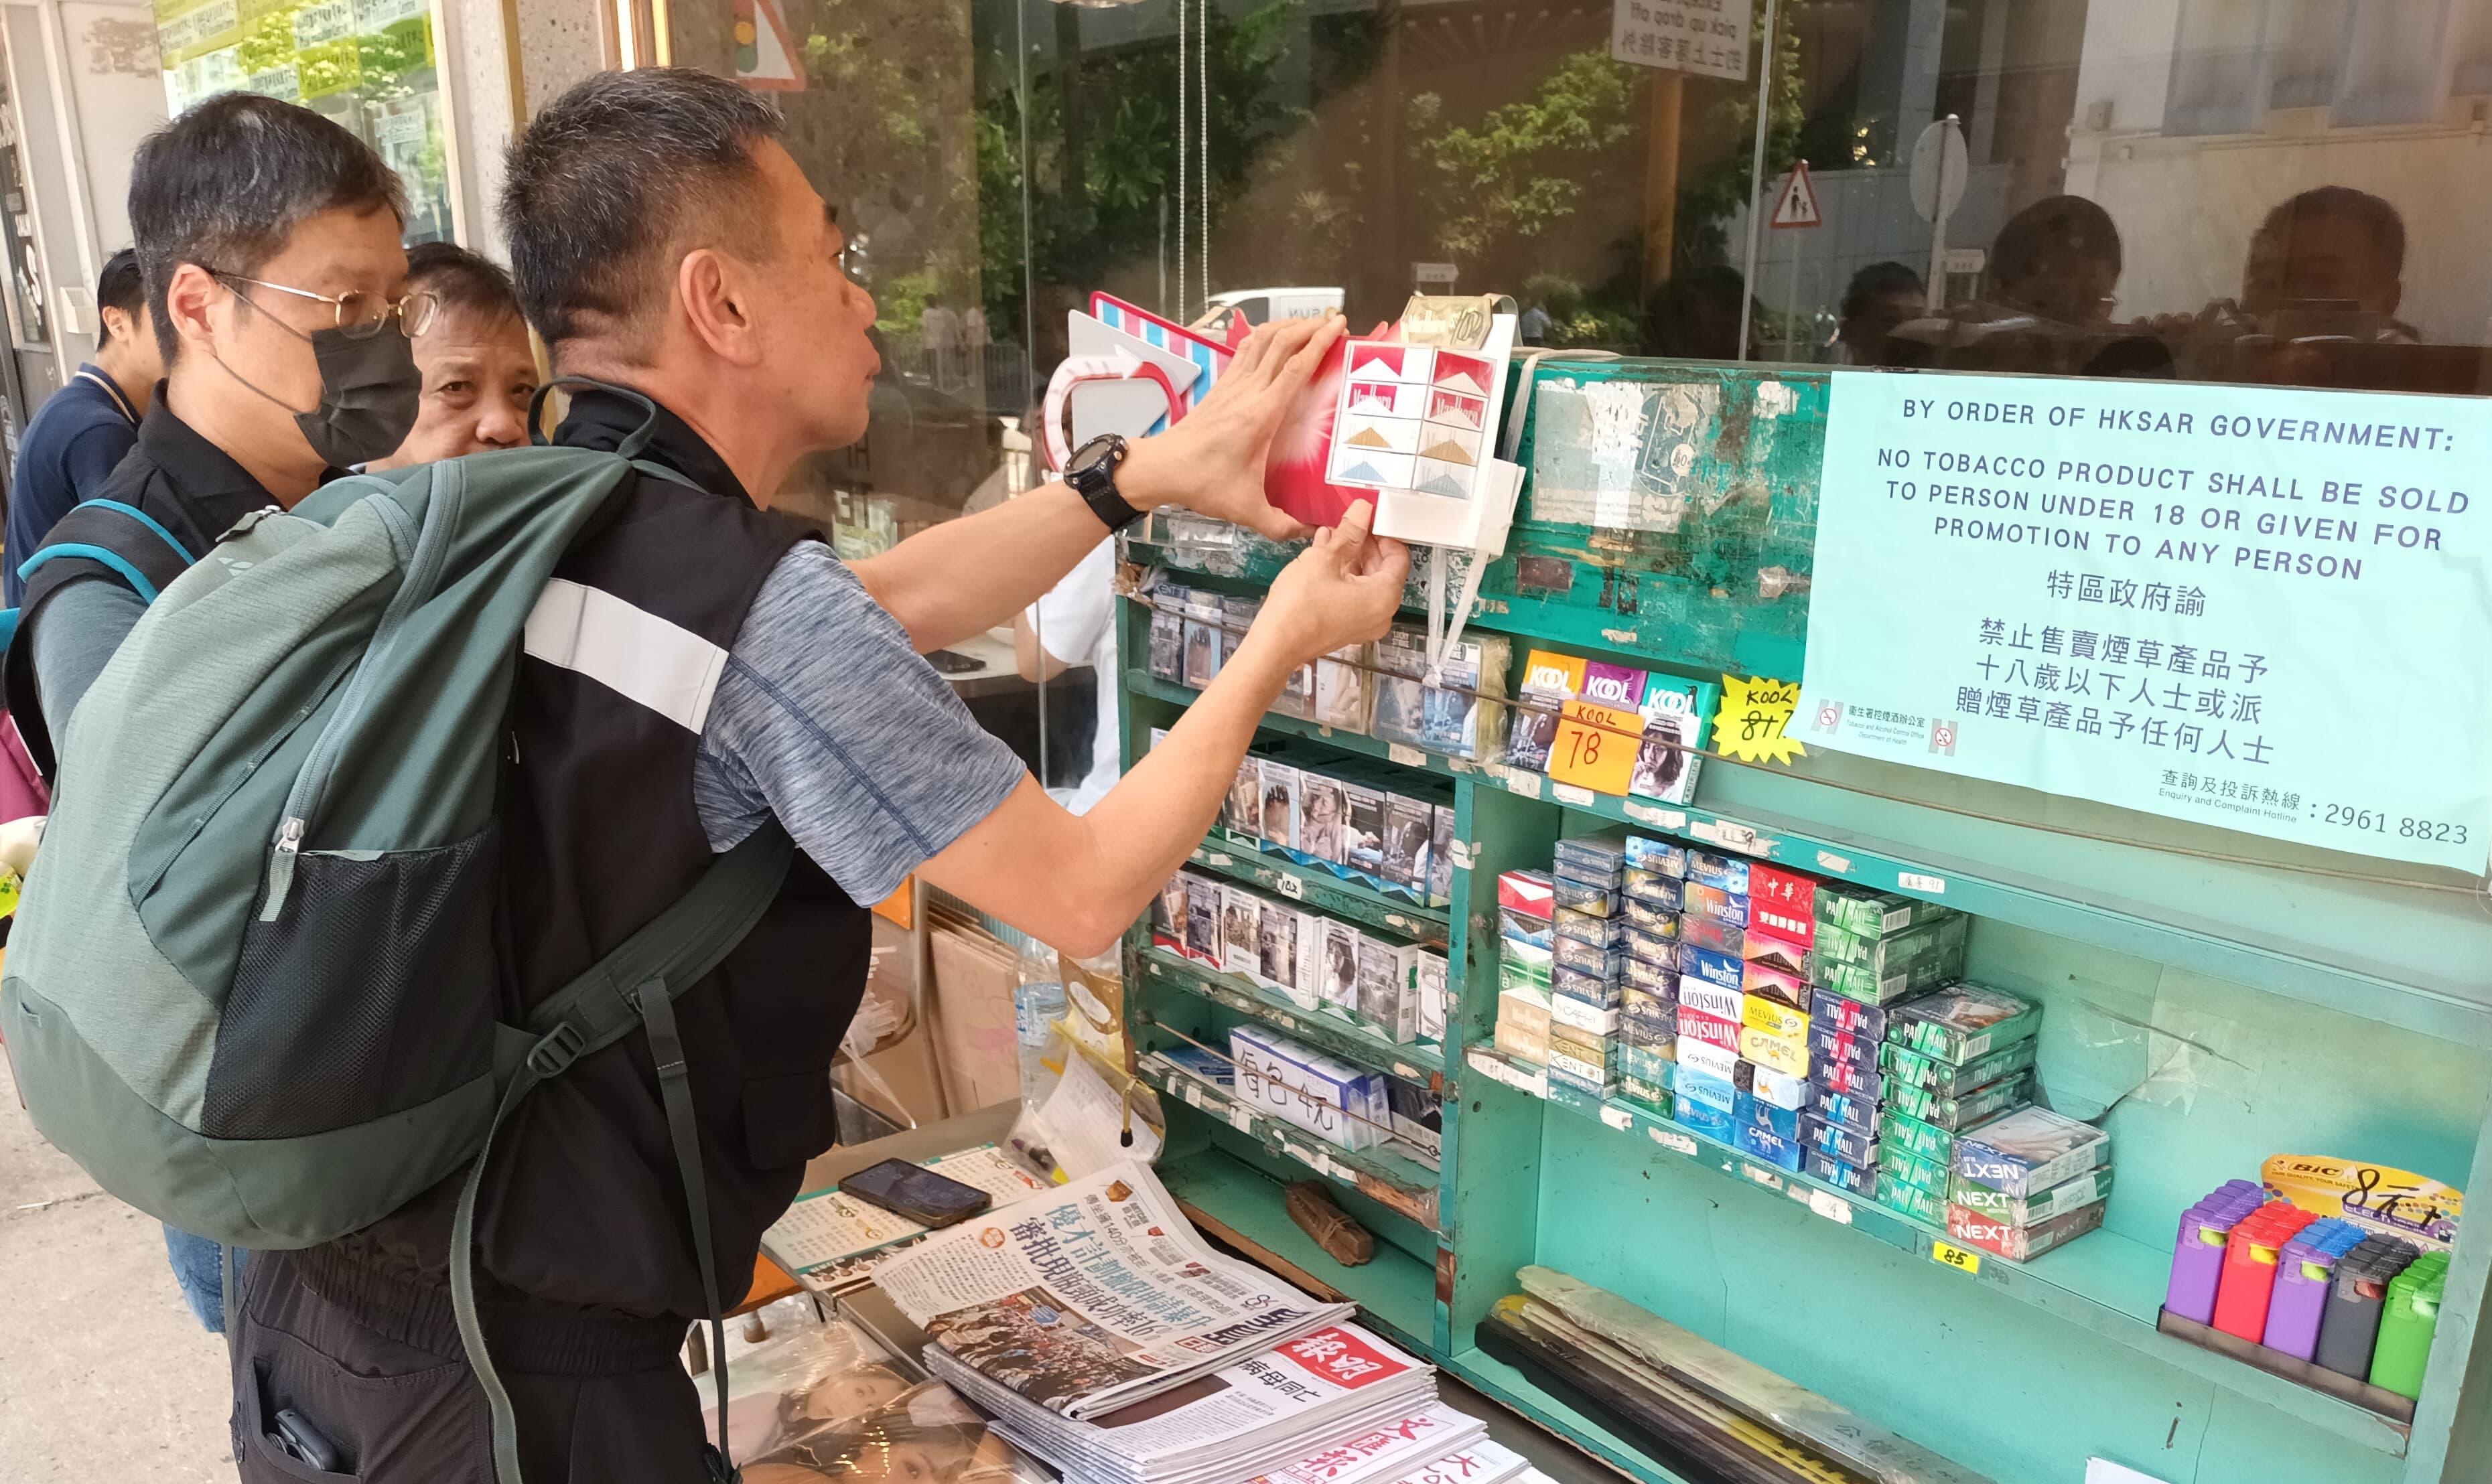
(2305, 1270)
(2198, 1256)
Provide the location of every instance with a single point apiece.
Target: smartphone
(917, 1193)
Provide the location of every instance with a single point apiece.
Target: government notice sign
(2257, 608)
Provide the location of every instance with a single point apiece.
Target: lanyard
(112, 392)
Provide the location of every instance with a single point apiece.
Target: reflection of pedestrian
(938, 336)
(2332, 249)
(1878, 298)
(974, 341)
(1535, 325)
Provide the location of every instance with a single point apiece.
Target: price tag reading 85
(1947, 1254)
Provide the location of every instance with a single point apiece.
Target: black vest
(582, 1207)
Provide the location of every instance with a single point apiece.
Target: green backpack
(253, 986)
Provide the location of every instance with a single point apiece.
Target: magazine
(827, 1226)
(1093, 1296)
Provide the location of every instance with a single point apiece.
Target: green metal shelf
(1511, 1387)
(1225, 854)
(1984, 889)
(1143, 683)
(1416, 1182)
(1409, 1061)
(1397, 1290)
(2105, 1282)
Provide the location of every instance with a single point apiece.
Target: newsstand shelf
(1143, 683)
(1319, 891)
(1411, 1183)
(2104, 1281)
(1410, 1061)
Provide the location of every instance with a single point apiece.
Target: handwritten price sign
(1595, 748)
(1754, 716)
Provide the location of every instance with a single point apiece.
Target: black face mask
(370, 392)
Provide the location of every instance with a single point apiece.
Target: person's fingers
(1351, 534)
(1272, 522)
(1386, 561)
(1249, 356)
(1300, 368)
(1281, 340)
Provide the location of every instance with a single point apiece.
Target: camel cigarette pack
(1764, 1143)
(2086, 1189)
(1964, 1110)
(1331, 1100)
(1752, 1111)
(2030, 1150)
(1906, 1067)
(1964, 1022)
(2020, 1244)
(1844, 1143)
(1781, 1053)
(1857, 1179)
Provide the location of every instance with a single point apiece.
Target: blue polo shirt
(79, 433)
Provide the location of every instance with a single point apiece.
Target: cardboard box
(1334, 1100)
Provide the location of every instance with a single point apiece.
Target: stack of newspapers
(1103, 1336)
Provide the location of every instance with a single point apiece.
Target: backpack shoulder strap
(635, 985)
(106, 538)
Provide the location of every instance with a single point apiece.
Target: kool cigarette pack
(2029, 1149)
(1331, 1100)
(2086, 1189)
(1965, 1110)
(1906, 1068)
(1964, 1022)
(2020, 1244)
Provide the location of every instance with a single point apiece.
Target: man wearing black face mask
(268, 238)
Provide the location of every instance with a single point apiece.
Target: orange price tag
(1595, 748)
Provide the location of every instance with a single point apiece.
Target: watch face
(1097, 451)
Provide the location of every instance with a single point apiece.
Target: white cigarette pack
(1331, 1100)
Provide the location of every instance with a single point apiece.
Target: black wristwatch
(1092, 474)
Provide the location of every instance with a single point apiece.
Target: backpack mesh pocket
(373, 992)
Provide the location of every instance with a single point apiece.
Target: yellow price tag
(1948, 1253)
(1595, 748)
(1753, 718)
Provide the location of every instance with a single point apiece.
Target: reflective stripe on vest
(646, 658)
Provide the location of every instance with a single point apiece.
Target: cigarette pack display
(1906, 1066)
(1532, 893)
(1922, 952)
(1915, 1139)
(1848, 1108)
(1331, 1100)
(1243, 814)
(1857, 1179)
(1661, 1041)
(1520, 927)
(1844, 1143)
(1965, 1110)
(1523, 1025)
(1705, 1030)
(1565, 1009)
(1584, 1045)
(2041, 1206)
(1832, 1011)
(1754, 1111)
(2020, 1244)
(1323, 819)
(1706, 996)
(1721, 970)
(1707, 932)
(1639, 1005)
(1866, 914)
(1712, 1123)
(1846, 1077)
(1458, 718)
(2029, 1149)
(1728, 908)
(1843, 1048)
(1964, 1022)
(1775, 1018)
(1597, 991)
(1583, 1075)
(1599, 859)
(1649, 918)
(1776, 986)
(1168, 647)
(1202, 919)
(1765, 1145)
(1723, 873)
(1340, 688)
(1441, 855)
(1280, 812)
(1898, 1168)
(1659, 857)
(1203, 652)
(1297, 696)
(1167, 915)
(1551, 675)
(1418, 1118)
(1653, 891)
(1658, 949)
(1587, 958)
(1652, 1063)
(1648, 1093)
(1638, 972)
(1241, 931)
(1783, 1053)
(1278, 965)
(1780, 1089)
(1387, 999)
(1703, 1088)
(1777, 953)
(1781, 902)
(1408, 824)
(1339, 988)
(1668, 759)
(1365, 849)
(1314, 943)
(1428, 974)
(1598, 929)
(1594, 898)
(1531, 732)
(1710, 1060)
(1520, 962)
(1929, 1208)
(1613, 686)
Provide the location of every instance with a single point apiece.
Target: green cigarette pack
(1866, 914)
(1881, 971)
(1964, 1022)
(2030, 1210)
(1905, 1068)
(1964, 1110)
(1895, 1168)
(1923, 1206)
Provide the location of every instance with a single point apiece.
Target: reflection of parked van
(1261, 304)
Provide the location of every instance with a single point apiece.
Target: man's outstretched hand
(1212, 461)
(1342, 590)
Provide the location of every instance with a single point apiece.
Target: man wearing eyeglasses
(268, 237)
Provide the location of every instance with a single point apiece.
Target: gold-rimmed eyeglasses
(360, 316)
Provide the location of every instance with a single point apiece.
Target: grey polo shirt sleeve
(81, 627)
(826, 717)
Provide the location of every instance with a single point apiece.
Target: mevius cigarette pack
(1331, 1100)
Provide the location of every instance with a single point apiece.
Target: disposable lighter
(2303, 1281)
(2250, 1255)
(2406, 1325)
(2350, 1330)
(2198, 1257)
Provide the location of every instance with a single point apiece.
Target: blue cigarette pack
(1850, 1145)
(1726, 873)
(1772, 1148)
(1722, 970)
(1712, 1123)
(1750, 1112)
(1860, 1179)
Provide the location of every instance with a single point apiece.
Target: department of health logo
(1829, 717)
(1942, 738)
